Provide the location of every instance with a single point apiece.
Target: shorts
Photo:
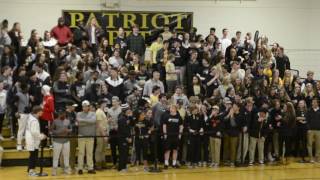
(171, 143)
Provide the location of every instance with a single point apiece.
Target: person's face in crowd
(63, 77)
(129, 113)
(186, 36)
(93, 22)
(142, 116)
(225, 33)
(103, 66)
(33, 78)
(163, 100)
(205, 63)
(114, 73)
(115, 103)
(61, 22)
(309, 87)
(156, 76)
(194, 56)
(211, 39)
(315, 103)
(233, 53)
(277, 105)
(310, 76)
(149, 114)
(121, 31)
(263, 115)
(178, 91)
(86, 109)
(235, 108)
(47, 36)
(173, 110)
(117, 53)
(39, 114)
(195, 80)
(166, 29)
(105, 43)
(104, 88)
(7, 72)
(302, 104)
(135, 30)
(238, 35)
(159, 39)
(166, 45)
(215, 112)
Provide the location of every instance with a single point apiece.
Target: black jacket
(258, 129)
(313, 119)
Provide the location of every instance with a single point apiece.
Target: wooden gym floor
(294, 171)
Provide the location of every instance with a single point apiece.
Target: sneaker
(124, 170)
(261, 162)
(165, 167)
(80, 172)
(204, 164)
(33, 174)
(312, 161)
(146, 169)
(67, 171)
(232, 165)
(250, 163)
(54, 172)
(176, 166)
(19, 147)
(1, 137)
(91, 171)
(12, 137)
(216, 165)
(200, 164)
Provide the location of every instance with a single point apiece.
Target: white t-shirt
(225, 43)
(93, 35)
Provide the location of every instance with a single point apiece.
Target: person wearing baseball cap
(87, 127)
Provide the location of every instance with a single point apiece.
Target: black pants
(1, 122)
(287, 140)
(141, 146)
(33, 158)
(44, 128)
(194, 148)
(114, 145)
(123, 153)
(204, 151)
(301, 142)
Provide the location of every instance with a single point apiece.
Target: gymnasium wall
(286, 21)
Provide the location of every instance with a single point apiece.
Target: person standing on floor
(3, 107)
(102, 130)
(33, 138)
(313, 133)
(172, 130)
(71, 116)
(61, 127)
(125, 139)
(87, 127)
(48, 110)
(258, 128)
(216, 128)
(194, 124)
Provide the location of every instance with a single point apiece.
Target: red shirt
(62, 34)
(48, 108)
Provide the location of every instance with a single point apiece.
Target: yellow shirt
(101, 121)
(155, 47)
(196, 89)
(170, 72)
(153, 99)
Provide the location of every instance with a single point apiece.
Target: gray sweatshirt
(87, 123)
(59, 128)
(23, 101)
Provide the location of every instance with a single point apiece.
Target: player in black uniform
(172, 129)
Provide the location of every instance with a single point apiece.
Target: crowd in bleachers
(204, 100)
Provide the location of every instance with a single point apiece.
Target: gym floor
(293, 171)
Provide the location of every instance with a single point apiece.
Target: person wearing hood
(62, 33)
(48, 109)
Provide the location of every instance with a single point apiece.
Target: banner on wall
(150, 23)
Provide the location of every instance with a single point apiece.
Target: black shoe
(80, 172)
(165, 167)
(91, 172)
(176, 166)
